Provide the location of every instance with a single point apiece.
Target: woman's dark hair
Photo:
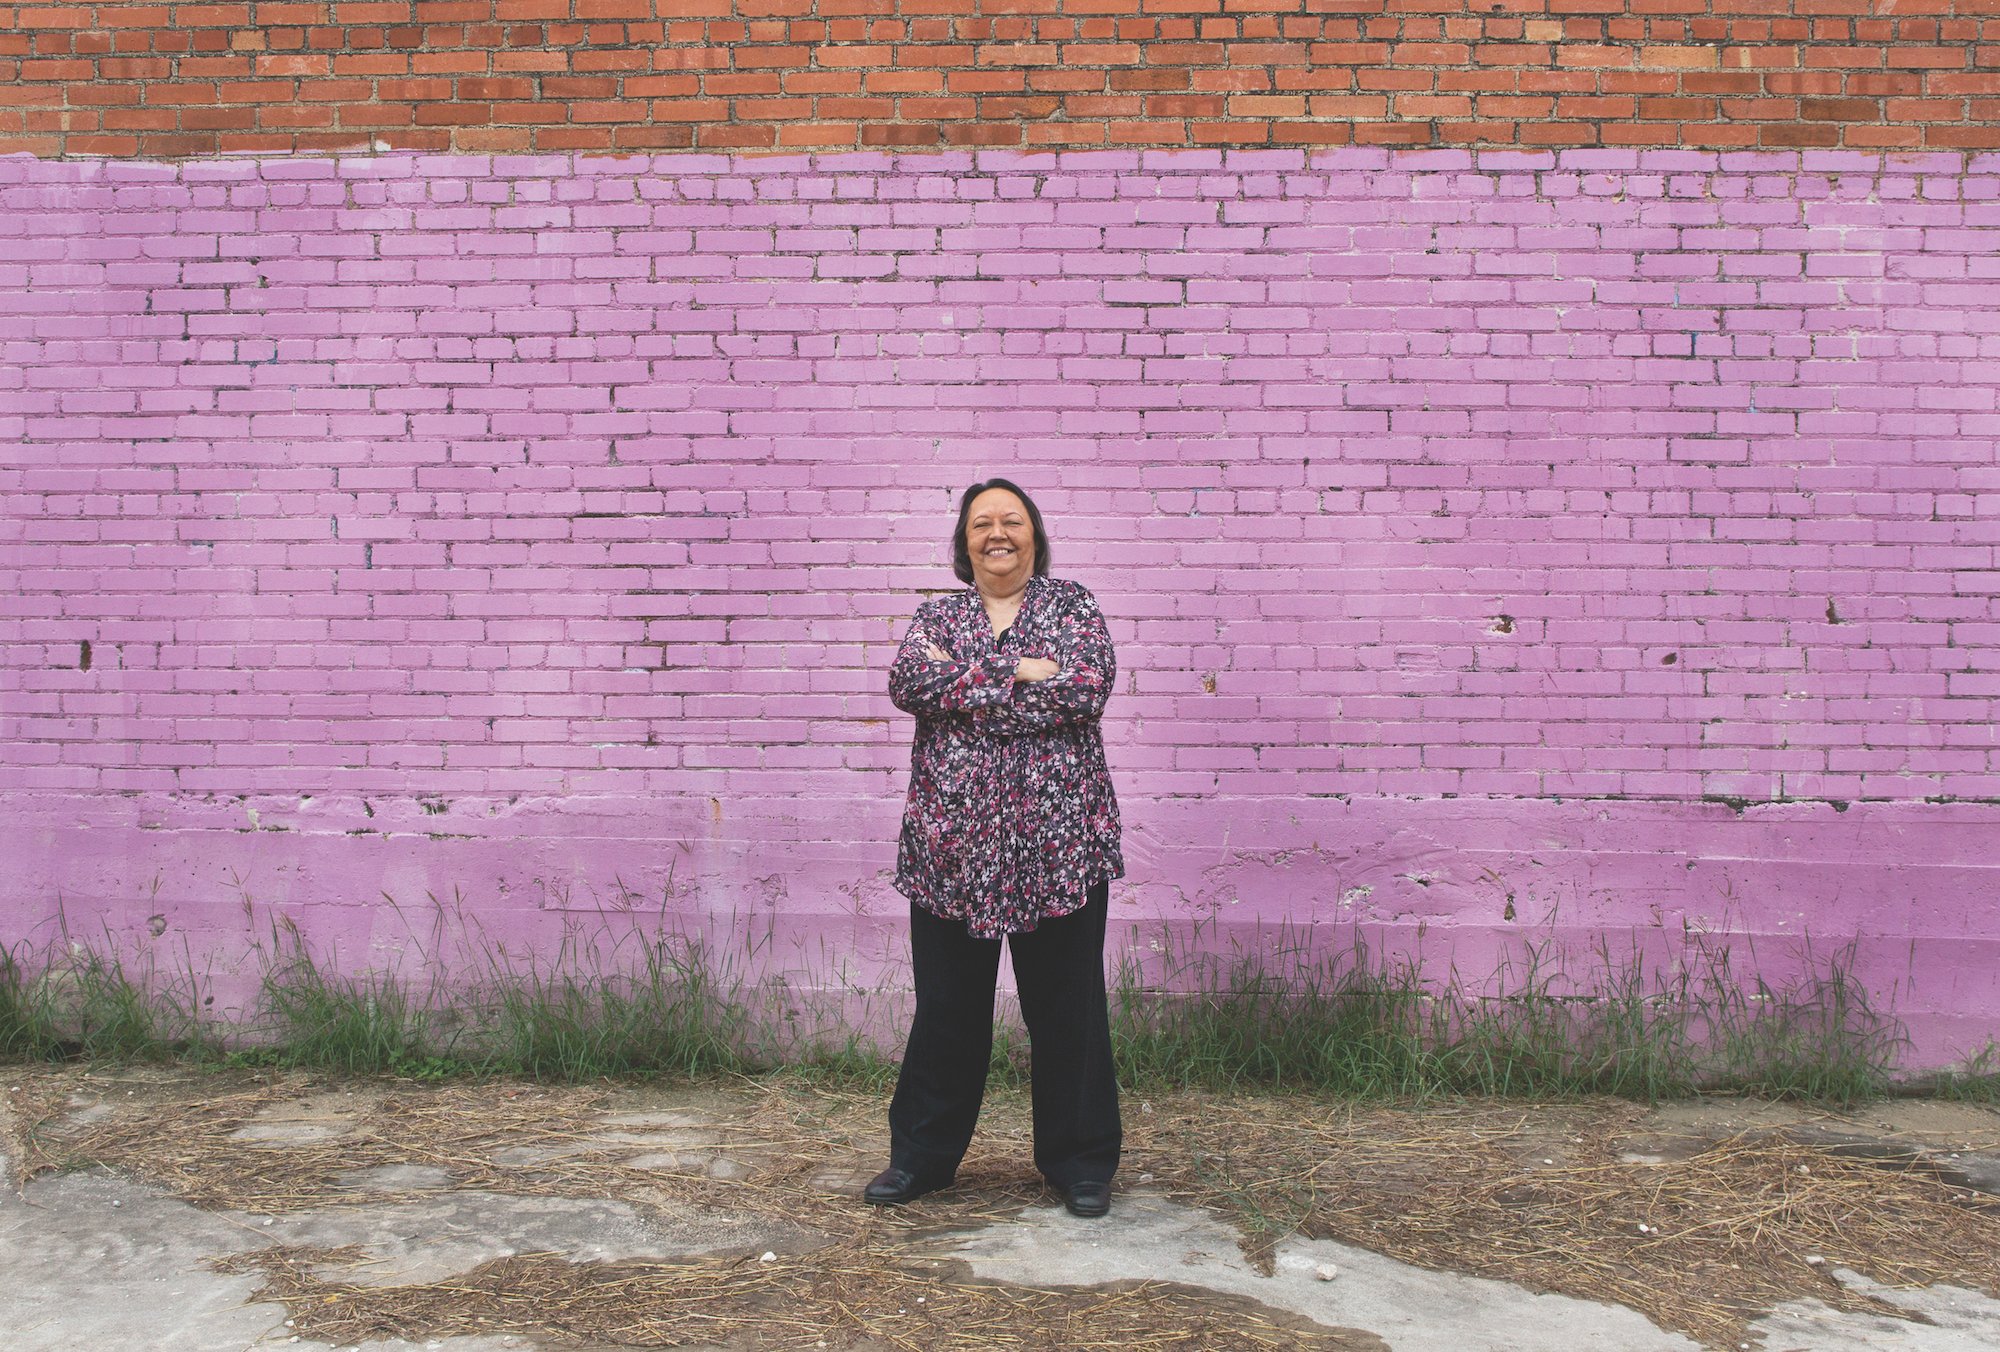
(961, 557)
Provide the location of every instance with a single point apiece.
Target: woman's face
(1001, 541)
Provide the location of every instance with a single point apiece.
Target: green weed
(1292, 1014)
(82, 1000)
(1817, 1036)
(315, 1018)
(1294, 1010)
(639, 1000)
(583, 1018)
(1977, 1080)
(26, 1031)
(1286, 1017)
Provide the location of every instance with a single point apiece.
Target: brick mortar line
(1706, 88)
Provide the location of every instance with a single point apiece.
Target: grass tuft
(26, 1031)
(1293, 1014)
(1287, 1017)
(317, 1019)
(1817, 1036)
(604, 1005)
(80, 1000)
(1289, 1011)
(1975, 1081)
(581, 1018)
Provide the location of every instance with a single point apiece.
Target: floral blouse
(1011, 814)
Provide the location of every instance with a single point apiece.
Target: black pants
(1059, 971)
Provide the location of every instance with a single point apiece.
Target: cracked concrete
(1409, 1308)
(1416, 1309)
(430, 1238)
(92, 1261)
(1952, 1320)
(95, 1261)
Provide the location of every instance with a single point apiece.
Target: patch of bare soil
(1701, 1216)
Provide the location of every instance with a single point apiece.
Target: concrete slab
(1971, 1169)
(1412, 1309)
(427, 1239)
(394, 1178)
(287, 1133)
(91, 1261)
(647, 1119)
(709, 1166)
(101, 1262)
(1957, 1142)
(315, 1118)
(1953, 1319)
(1418, 1310)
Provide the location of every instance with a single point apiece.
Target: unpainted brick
(1578, 72)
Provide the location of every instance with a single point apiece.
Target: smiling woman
(1011, 831)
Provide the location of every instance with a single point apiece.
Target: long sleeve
(1011, 816)
(1076, 694)
(920, 684)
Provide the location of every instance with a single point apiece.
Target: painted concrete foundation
(1595, 543)
(801, 891)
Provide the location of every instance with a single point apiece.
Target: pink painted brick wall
(1430, 497)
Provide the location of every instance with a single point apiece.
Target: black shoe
(1088, 1199)
(893, 1187)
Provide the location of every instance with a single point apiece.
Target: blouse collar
(1037, 586)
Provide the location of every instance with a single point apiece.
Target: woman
(1011, 829)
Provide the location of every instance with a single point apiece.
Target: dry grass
(854, 1293)
(1532, 1194)
(483, 1135)
(1541, 1196)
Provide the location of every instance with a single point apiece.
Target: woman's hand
(1032, 669)
(935, 653)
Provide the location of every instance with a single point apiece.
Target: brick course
(1591, 544)
(1606, 474)
(510, 76)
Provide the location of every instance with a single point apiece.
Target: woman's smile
(1000, 540)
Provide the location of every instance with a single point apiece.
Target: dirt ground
(724, 1214)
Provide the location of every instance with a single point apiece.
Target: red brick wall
(611, 75)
